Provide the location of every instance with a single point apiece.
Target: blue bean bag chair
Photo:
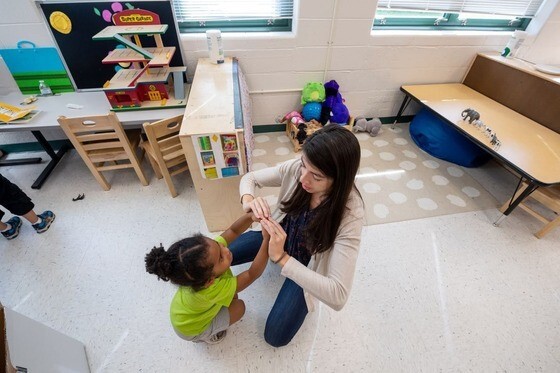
(442, 141)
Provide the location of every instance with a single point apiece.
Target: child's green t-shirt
(192, 312)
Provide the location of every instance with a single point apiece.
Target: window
(498, 15)
(234, 16)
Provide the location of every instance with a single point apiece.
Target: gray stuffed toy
(371, 126)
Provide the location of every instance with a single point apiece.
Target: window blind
(519, 8)
(228, 10)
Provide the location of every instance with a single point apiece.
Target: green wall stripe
(269, 128)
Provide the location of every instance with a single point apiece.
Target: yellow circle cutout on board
(60, 22)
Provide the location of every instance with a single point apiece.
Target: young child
(206, 303)
(19, 203)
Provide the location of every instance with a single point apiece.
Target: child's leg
(245, 247)
(236, 310)
(219, 323)
(14, 199)
(31, 216)
(287, 315)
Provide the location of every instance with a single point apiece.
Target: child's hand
(265, 234)
(277, 237)
(258, 206)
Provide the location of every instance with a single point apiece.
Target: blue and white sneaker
(13, 232)
(47, 218)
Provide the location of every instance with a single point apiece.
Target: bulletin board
(73, 24)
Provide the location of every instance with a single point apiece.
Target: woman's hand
(258, 206)
(276, 240)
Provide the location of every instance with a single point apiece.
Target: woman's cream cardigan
(329, 275)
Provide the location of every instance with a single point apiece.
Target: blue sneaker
(47, 218)
(13, 232)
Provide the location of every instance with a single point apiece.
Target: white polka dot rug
(398, 181)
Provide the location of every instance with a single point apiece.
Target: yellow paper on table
(10, 112)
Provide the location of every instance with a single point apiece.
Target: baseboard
(282, 127)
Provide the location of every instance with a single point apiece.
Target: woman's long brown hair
(335, 151)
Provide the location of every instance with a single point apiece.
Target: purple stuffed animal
(332, 98)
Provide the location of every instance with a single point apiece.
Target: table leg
(15, 162)
(515, 201)
(55, 158)
(404, 104)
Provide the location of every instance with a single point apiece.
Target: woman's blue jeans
(289, 310)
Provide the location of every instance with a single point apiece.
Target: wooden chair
(104, 145)
(164, 149)
(548, 197)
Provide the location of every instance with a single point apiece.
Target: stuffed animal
(311, 110)
(372, 126)
(333, 109)
(339, 114)
(313, 92)
(302, 133)
(293, 117)
(332, 96)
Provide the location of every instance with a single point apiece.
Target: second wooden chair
(104, 145)
(547, 197)
(164, 149)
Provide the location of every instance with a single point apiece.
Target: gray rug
(397, 180)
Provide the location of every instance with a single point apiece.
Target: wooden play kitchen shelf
(150, 83)
(312, 126)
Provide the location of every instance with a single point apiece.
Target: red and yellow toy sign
(135, 17)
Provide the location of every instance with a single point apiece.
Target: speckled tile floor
(444, 293)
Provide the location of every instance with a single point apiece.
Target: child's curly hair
(185, 263)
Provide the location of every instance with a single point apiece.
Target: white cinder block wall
(332, 39)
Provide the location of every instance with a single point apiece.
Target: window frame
(279, 25)
(236, 25)
(449, 21)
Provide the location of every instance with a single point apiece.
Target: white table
(93, 103)
(527, 147)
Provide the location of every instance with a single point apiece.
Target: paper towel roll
(215, 49)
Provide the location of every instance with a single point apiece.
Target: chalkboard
(82, 55)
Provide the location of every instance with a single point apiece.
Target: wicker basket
(312, 126)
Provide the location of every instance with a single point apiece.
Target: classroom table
(51, 107)
(529, 148)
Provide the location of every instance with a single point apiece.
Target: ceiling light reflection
(380, 173)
